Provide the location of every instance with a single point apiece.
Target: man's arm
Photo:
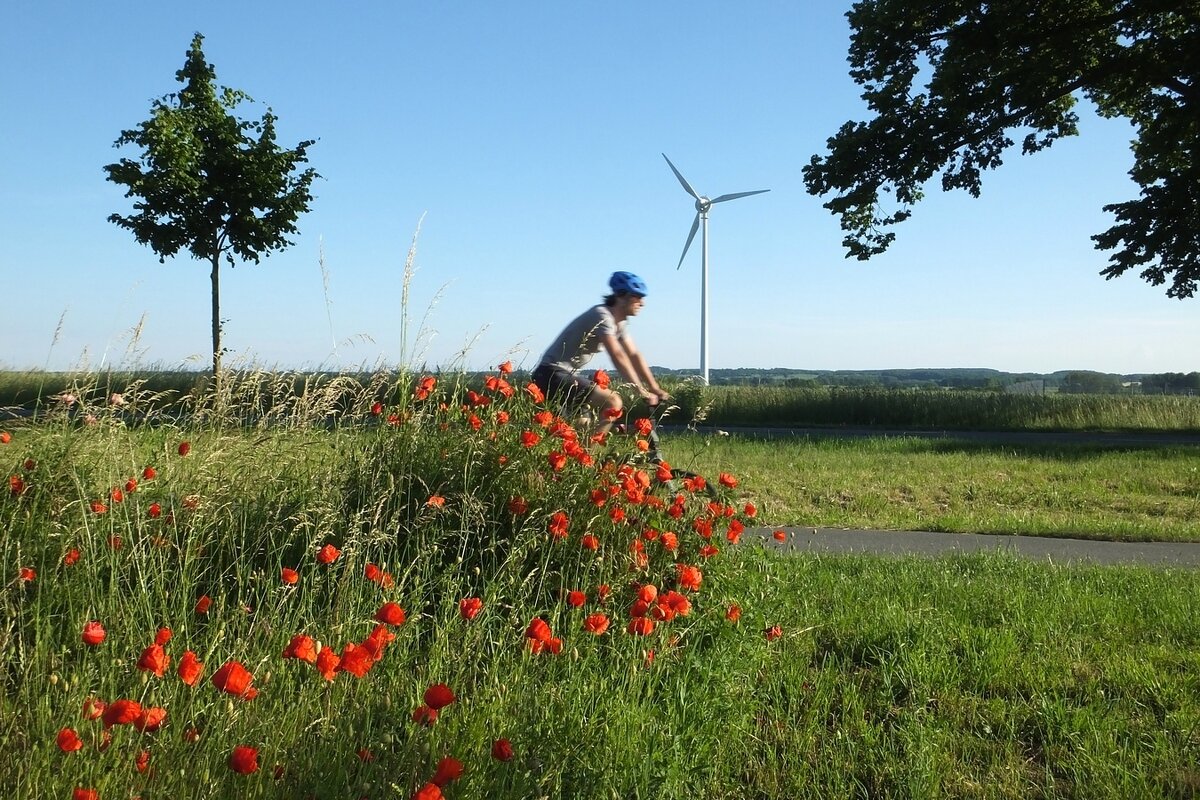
(633, 367)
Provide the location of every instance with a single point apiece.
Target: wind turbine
(703, 204)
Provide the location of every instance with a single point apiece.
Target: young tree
(209, 182)
(1018, 66)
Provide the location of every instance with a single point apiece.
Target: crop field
(449, 591)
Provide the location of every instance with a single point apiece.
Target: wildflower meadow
(424, 586)
(393, 605)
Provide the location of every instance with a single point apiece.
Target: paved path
(925, 543)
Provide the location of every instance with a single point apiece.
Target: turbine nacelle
(703, 204)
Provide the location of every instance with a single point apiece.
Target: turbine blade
(691, 235)
(736, 195)
(687, 186)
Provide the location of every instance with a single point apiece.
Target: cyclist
(602, 326)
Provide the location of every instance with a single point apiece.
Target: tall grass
(949, 409)
(439, 494)
(258, 393)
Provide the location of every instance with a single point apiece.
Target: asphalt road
(925, 543)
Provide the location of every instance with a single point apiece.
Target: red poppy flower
(93, 708)
(559, 523)
(425, 387)
(149, 474)
(355, 659)
(162, 636)
(5, 437)
(379, 637)
(154, 510)
(733, 613)
(27, 574)
(185, 448)
(376, 409)
(708, 551)
(502, 750)
(780, 536)
(430, 791)
(595, 623)
(662, 612)
(438, 696)
(190, 669)
(676, 602)
(328, 554)
(154, 659)
(150, 720)
(424, 715)
(68, 741)
(576, 598)
(647, 592)
(203, 604)
(301, 647)
(725, 479)
(601, 379)
(517, 506)
(689, 577)
(535, 393)
(538, 630)
(142, 762)
(734, 534)
(243, 760)
(436, 501)
(234, 679)
(469, 607)
(121, 712)
(117, 495)
(289, 576)
(602, 592)
(750, 510)
(642, 626)
(772, 633)
(98, 507)
(79, 793)
(93, 633)
(556, 460)
(327, 663)
(589, 542)
(391, 614)
(448, 769)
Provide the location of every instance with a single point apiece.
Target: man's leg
(606, 405)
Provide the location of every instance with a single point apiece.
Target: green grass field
(1150, 493)
(217, 547)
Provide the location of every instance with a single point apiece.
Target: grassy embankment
(968, 677)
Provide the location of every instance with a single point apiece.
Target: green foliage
(951, 82)
(208, 182)
(954, 410)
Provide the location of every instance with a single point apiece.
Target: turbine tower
(703, 204)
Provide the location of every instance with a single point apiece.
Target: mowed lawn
(1150, 493)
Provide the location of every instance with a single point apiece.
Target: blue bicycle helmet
(627, 283)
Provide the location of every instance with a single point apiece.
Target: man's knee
(606, 401)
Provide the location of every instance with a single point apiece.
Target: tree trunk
(216, 323)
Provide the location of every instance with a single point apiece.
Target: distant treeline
(1063, 381)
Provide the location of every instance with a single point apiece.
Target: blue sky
(528, 139)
